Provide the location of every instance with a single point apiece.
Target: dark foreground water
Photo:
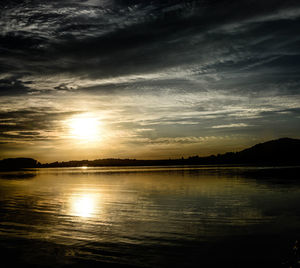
(149, 217)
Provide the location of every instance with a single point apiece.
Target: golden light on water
(84, 205)
(85, 128)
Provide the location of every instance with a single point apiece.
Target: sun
(85, 128)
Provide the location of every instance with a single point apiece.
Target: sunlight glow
(83, 205)
(85, 128)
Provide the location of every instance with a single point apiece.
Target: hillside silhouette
(16, 163)
(284, 151)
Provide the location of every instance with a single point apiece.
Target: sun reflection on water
(84, 205)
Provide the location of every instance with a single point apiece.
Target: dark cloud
(109, 39)
(27, 124)
(179, 68)
(12, 86)
(63, 87)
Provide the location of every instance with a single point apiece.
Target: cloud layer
(195, 75)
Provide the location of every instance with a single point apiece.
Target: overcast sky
(162, 78)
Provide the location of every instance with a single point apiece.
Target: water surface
(148, 217)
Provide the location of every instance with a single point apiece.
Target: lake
(150, 217)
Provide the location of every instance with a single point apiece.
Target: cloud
(113, 39)
(158, 71)
(231, 125)
(31, 124)
(173, 140)
(12, 86)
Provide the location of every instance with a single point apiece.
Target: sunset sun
(85, 128)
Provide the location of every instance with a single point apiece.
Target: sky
(146, 79)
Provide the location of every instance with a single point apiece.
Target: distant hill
(17, 163)
(283, 151)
